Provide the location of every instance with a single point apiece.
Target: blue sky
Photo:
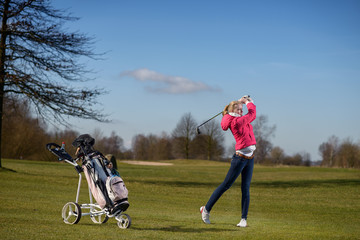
(299, 60)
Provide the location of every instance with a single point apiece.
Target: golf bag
(96, 176)
(109, 191)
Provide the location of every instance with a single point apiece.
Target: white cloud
(167, 84)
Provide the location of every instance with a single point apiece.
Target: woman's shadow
(181, 229)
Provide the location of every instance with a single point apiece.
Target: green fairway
(286, 202)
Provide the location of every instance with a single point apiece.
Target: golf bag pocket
(116, 188)
(96, 192)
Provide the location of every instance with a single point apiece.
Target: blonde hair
(231, 107)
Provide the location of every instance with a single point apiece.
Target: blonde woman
(242, 161)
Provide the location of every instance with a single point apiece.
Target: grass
(286, 202)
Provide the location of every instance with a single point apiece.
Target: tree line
(24, 137)
(40, 58)
(336, 153)
(40, 61)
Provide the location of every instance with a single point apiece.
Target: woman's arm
(251, 115)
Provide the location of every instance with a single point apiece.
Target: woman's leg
(246, 176)
(237, 164)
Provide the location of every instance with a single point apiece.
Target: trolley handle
(59, 152)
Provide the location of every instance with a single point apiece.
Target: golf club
(198, 127)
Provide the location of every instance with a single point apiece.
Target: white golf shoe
(205, 215)
(242, 223)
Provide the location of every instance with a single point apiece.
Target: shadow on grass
(163, 182)
(173, 228)
(181, 229)
(6, 170)
(308, 183)
(267, 184)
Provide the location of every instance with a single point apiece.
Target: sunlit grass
(286, 202)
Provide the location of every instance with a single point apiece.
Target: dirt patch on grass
(147, 163)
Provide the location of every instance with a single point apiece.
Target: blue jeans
(238, 165)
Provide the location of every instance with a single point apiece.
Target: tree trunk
(2, 63)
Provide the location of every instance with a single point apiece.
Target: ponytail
(230, 107)
(225, 111)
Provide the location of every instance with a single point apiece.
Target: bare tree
(208, 145)
(328, 151)
(110, 145)
(183, 134)
(263, 132)
(140, 146)
(295, 160)
(348, 155)
(23, 136)
(164, 147)
(152, 147)
(306, 158)
(277, 155)
(198, 147)
(38, 59)
(345, 154)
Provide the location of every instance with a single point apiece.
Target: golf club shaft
(209, 119)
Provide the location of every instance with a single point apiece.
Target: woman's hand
(244, 99)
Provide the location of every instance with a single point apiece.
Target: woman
(243, 159)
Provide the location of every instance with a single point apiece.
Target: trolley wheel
(124, 221)
(98, 218)
(71, 213)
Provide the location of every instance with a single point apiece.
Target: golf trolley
(73, 211)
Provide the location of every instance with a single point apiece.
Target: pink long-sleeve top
(241, 127)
